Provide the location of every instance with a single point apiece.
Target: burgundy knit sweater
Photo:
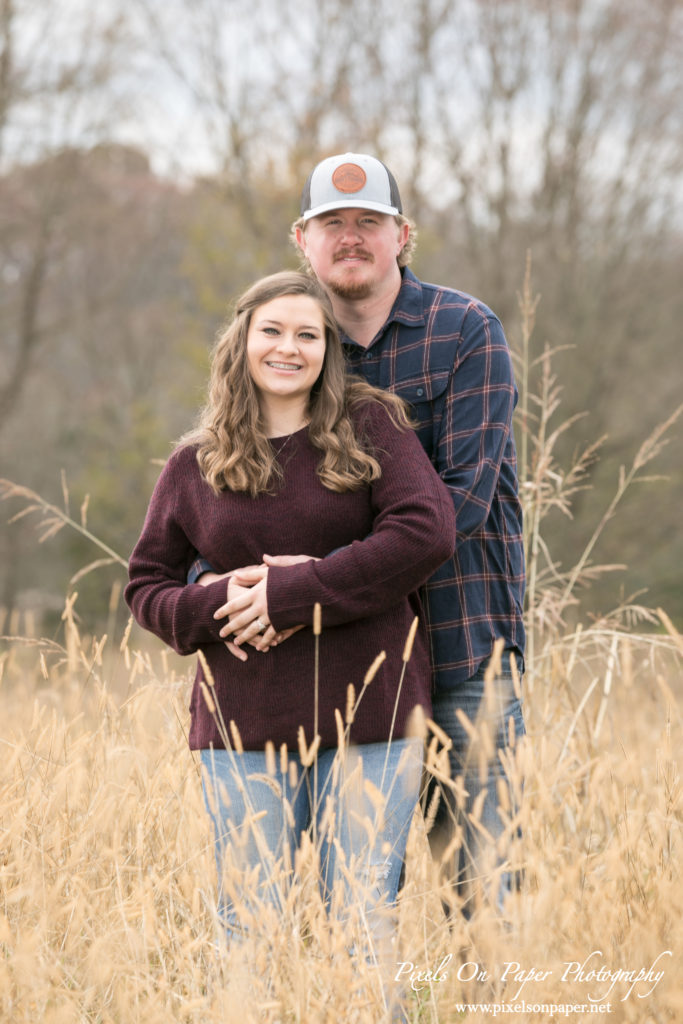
(393, 534)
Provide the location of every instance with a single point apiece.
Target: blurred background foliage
(151, 159)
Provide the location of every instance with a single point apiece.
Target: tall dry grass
(107, 877)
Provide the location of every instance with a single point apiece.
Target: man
(446, 354)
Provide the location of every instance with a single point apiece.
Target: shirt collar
(408, 307)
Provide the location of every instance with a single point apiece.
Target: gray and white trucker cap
(350, 180)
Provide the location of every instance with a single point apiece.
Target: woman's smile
(283, 366)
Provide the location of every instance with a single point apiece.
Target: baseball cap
(350, 180)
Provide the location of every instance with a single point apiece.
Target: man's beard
(348, 286)
(350, 289)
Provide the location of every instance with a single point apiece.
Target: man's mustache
(362, 253)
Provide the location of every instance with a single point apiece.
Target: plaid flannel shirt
(446, 354)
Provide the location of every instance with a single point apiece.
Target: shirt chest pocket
(426, 395)
(424, 392)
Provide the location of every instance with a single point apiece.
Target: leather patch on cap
(349, 178)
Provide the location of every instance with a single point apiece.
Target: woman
(291, 456)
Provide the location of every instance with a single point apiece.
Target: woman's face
(286, 347)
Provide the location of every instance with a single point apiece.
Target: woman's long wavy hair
(233, 450)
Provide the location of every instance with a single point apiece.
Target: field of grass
(107, 877)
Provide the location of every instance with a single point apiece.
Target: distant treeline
(516, 130)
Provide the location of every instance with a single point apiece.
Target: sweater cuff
(195, 623)
(282, 612)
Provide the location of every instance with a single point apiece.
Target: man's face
(353, 252)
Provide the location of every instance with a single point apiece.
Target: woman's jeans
(259, 816)
(477, 818)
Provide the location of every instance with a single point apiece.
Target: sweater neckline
(286, 437)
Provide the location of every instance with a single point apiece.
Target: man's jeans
(477, 818)
(259, 817)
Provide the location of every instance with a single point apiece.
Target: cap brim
(350, 204)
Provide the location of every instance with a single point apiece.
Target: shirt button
(419, 392)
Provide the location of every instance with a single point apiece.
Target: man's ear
(403, 236)
(300, 236)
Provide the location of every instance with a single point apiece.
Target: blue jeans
(358, 839)
(476, 820)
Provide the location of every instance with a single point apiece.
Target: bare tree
(56, 70)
